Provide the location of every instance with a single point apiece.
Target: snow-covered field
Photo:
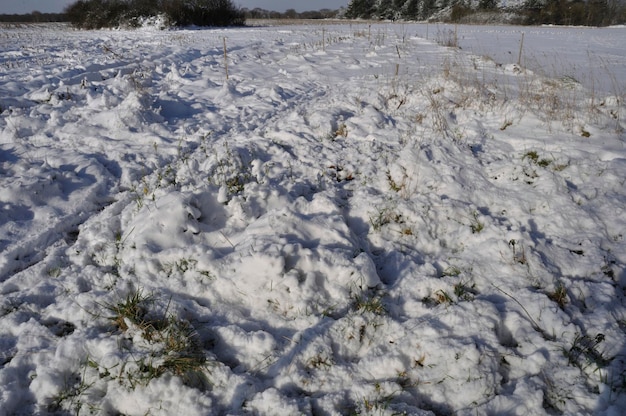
(358, 220)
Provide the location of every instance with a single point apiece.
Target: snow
(357, 220)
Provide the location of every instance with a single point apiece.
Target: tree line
(559, 12)
(95, 14)
(259, 13)
(92, 14)
(34, 17)
(125, 13)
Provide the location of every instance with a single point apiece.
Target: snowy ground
(358, 221)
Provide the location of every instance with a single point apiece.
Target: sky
(55, 6)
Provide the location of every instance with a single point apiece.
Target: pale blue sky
(55, 6)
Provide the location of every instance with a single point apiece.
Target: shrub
(459, 11)
(95, 14)
(361, 9)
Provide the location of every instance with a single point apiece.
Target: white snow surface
(359, 220)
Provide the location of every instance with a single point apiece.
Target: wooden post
(521, 46)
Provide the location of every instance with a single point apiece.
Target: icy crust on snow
(358, 221)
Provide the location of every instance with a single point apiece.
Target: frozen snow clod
(167, 223)
(368, 277)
